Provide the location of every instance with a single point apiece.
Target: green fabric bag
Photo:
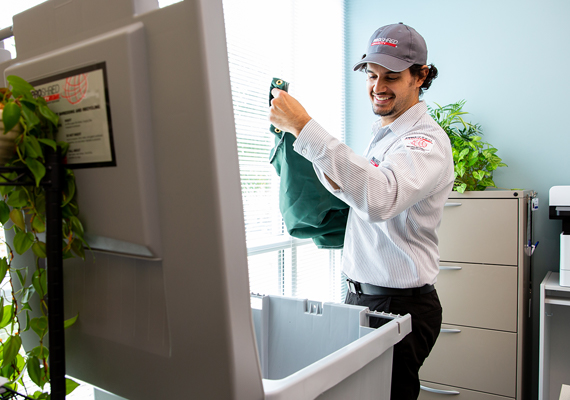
(308, 209)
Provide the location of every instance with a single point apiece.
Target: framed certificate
(80, 97)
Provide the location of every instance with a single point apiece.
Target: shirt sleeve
(404, 177)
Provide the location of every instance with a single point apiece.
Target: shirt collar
(408, 119)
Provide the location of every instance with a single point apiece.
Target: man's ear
(422, 76)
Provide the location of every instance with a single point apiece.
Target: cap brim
(386, 61)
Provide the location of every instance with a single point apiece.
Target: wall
(506, 58)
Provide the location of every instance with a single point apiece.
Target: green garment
(309, 210)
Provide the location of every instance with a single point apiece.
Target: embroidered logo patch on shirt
(374, 161)
(418, 143)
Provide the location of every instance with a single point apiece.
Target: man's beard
(383, 113)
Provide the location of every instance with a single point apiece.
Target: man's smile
(381, 99)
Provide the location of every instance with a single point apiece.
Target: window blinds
(302, 42)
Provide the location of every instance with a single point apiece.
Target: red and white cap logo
(384, 42)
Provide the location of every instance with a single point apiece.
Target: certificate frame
(90, 140)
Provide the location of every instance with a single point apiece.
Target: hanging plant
(33, 127)
(474, 160)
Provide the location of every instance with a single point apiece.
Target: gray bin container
(310, 350)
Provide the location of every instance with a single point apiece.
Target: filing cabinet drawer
(472, 358)
(479, 231)
(471, 293)
(442, 392)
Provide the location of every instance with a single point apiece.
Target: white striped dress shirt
(396, 193)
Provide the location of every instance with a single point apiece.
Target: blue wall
(508, 59)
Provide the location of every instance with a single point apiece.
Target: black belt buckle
(353, 287)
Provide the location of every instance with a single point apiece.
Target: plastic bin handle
(445, 330)
(450, 267)
(438, 391)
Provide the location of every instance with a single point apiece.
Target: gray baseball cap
(396, 47)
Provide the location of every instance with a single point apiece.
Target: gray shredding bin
(308, 350)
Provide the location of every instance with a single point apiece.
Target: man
(396, 192)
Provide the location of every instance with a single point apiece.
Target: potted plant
(33, 127)
(474, 160)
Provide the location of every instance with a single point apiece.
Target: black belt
(366, 288)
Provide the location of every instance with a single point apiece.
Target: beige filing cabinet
(483, 286)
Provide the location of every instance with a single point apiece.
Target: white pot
(7, 147)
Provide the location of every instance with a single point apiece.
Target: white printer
(560, 209)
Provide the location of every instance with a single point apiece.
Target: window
(302, 42)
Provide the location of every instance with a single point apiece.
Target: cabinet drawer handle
(452, 204)
(432, 390)
(449, 267)
(445, 330)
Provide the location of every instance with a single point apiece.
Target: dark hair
(432, 74)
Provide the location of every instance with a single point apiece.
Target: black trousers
(410, 353)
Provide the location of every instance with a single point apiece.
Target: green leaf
(69, 191)
(38, 224)
(479, 175)
(20, 363)
(39, 280)
(23, 241)
(40, 352)
(49, 114)
(34, 370)
(22, 278)
(37, 169)
(7, 314)
(39, 249)
(49, 142)
(4, 212)
(18, 198)
(27, 293)
(33, 147)
(461, 188)
(26, 306)
(460, 169)
(70, 385)
(41, 202)
(76, 226)
(20, 87)
(17, 218)
(3, 269)
(488, 182)
(77, 248)
(64, 147)
(10, 349)
(1, 308)
(10, 116)
(29, 116)
(5, 190)
(67, 254)
(39, 325)
(68, 322)
(463, 153)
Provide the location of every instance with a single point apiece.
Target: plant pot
(7, 147)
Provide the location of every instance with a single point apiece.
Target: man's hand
(286, 113)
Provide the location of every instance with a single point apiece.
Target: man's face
(391, 93)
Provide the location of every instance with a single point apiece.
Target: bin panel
(325, 352)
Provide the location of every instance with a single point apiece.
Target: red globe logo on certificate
(75, 88)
